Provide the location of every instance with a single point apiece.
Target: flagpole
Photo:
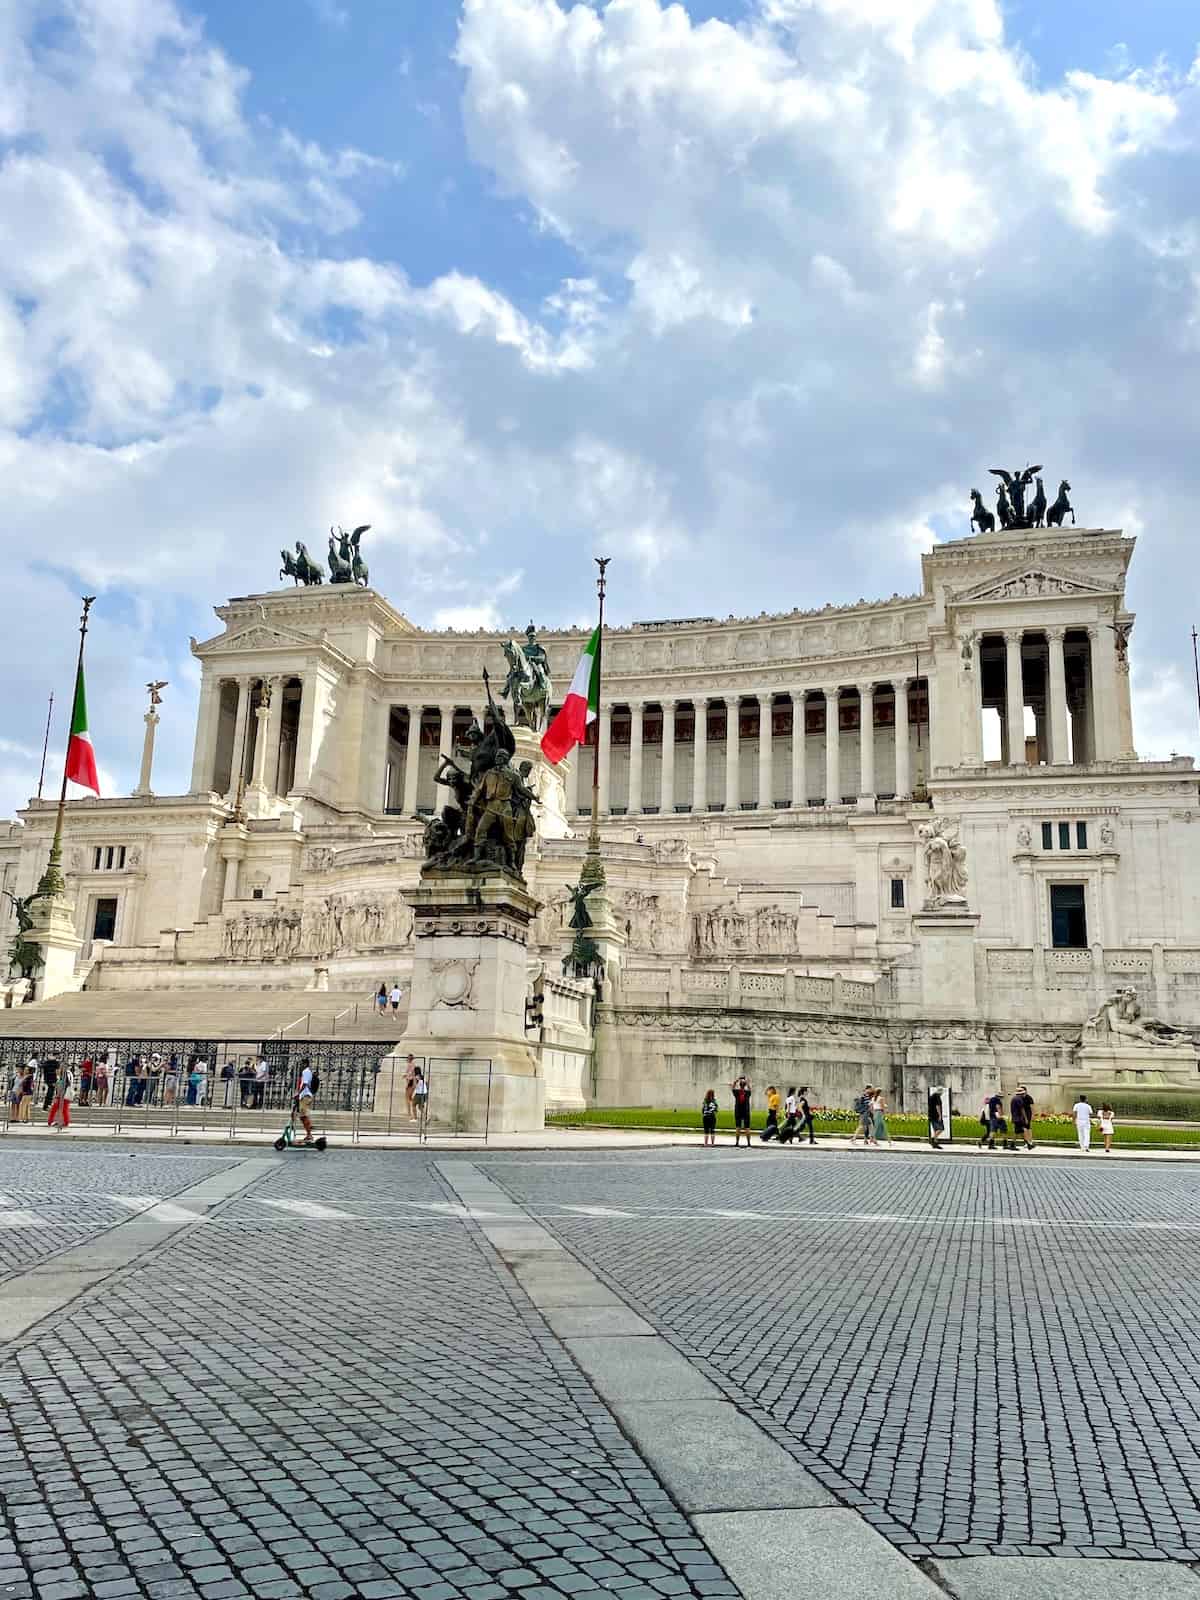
(45, 744)
(593, 867)
(52, 879)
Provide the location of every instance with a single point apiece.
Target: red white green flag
(580, 708)
(81, 758)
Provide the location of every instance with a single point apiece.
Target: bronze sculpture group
(1011, 510)
(489, 822)
(346, 564)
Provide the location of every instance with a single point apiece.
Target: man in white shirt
(261, 1071)
(395, 998)
(304, 1103)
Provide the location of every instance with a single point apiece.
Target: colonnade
(259, 748)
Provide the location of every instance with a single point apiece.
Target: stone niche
(466, 1014)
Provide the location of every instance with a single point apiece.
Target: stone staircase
(240, 1014)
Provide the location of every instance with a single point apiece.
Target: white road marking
(742, 1216)
(20, 1219)
(598, 1211)
(451, 1208)
(155, 1209)
(311, 1210)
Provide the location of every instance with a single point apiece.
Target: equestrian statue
(528, 684)
(1011, 509)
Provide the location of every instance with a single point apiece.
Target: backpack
(860, 1105)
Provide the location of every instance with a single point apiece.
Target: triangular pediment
(1030, 583)
(256, 637)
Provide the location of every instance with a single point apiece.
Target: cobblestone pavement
(48, 1204)
(984, 1356)
(328, 1388)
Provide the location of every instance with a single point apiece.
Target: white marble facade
(762, 781)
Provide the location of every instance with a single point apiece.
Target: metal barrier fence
(172, 1086)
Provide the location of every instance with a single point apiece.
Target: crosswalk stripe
(599, 1211)
(310, 1209)
(154, 1209)
(20, 1219)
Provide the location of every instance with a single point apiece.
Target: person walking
(708, 1116)
(790, 1112)
(994, 1122)
(806, 1116)
(1108, 1123)
(865, 1129)
(879, 1118)
(49, 1078)
(64, 1092)
(771, 1126)
(1082, 1112)
(381, 1000)
(395, 998)
(742, 1095)
(937, 1120)
(420, 1096)
(1021, 1107)
(33, 1067)
(410, 1078)
(28, 1088)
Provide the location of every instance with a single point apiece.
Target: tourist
(790, 1112)
(1082, 1112)
(771, 1126)
(32, 1066)
(14, 1094)
(64, 1090)
(708, 1115)
(101, 1089)
(879, 1117)
(197, 1073)
(171, 1080)
(937, 1121)
(228, 1074)
(410, 1079)
(806, 1116)
(28, 1086)
(246, 1082)
(86, 1079)
(420, 1094)
(261, 1073)
(49, 1075)
(865, 1128)
(1021, 1106)
(381, 1000)
(395, 997)
(994, 1122)
(304, 1101)
(1108, 1123)
(742, 1094)
(153, 1074)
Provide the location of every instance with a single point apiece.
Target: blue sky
(751, 294)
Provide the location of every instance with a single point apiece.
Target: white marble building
(762, 783)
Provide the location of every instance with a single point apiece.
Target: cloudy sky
(746, 294)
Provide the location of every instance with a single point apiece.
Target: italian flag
(570, 726)
(81, 758)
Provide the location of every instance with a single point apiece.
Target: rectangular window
(104, 919)
(121, 858)
(897, 894)
(97, 854)
(1064, 836)
(1047, 836)
(108, 858)
(1068, 917)
(1081, 835)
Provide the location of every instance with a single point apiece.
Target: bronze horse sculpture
(1056, 513)
(301, 567)
(980, 516)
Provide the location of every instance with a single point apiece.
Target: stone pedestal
(53, 931)
(548, 782)
(467, 1004)
(947, 946)
(1126, 1064)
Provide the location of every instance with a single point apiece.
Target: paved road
(329, 1383)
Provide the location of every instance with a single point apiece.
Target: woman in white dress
(1082, 1112)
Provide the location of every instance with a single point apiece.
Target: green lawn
(1046, 1130)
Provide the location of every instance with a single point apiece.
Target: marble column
(766, 771)
(237, 761)
(700, 756)
(833, 779)
(1125, 750)
(666, 803)
(1056, 694)
(799, 779)
(605, 720)
(274, 725)
(207, 718)
(866, 741)
(412, 760)
(305, 730)
(972, 704)
(903, 765)
(636, 802)
(257, 778)
(1014, 697)
(732, 786)
(151, 719)
(1102, 646)
(445, 742)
